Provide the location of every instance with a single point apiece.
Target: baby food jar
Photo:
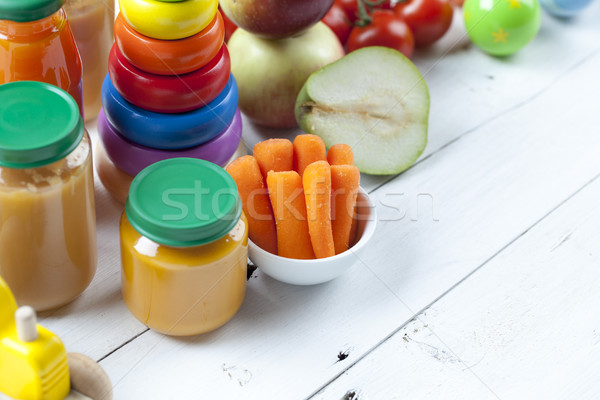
(184, 246)
(92, 23)
(36, 44)
(48, 249)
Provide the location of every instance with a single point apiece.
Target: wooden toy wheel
(88, 378)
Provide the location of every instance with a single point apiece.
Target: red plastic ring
(170, 57)
(169, 94)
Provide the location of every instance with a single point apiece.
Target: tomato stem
(365, 10)
(363, 14)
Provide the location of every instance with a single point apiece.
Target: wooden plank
(488, 188)
(525, 325)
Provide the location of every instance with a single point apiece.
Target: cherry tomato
(385, 29)
(230, 27)
(428, 19)
(337, 20)
(457, 3)
(350, 7)
(386, 5)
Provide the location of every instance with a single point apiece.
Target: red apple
(275, 19)
(270, 73)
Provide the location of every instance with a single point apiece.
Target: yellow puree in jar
(209, 280)
(45, 270)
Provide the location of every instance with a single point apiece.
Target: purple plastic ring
(132, 158)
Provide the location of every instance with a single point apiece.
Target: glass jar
(36, 44)
(184, 247)
(48, 249)
(92, 23)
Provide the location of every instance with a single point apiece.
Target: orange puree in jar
(92, 22)
(41, 48)
(47, 217)
(184, 292)
(184, 246)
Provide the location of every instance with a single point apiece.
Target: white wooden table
(483, 280)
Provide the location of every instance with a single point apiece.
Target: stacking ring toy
(131, 158)
(168, 20)
(169, 94)
(172, 57)
(170, 131)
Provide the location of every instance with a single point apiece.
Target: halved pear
(375, 100)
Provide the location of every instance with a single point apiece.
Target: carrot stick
(345, 180)
(274, 155)
(287, 198)
(317, 191)
(340, 154)
(353, 228)
(255, 202)
(307, 150)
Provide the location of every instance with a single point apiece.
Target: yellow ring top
(168, 20)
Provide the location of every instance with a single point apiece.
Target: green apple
(270, 73)
(375, 100)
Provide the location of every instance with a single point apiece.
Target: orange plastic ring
(170, 57)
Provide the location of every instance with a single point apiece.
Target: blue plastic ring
(170, 131)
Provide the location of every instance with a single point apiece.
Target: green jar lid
(28, 10)
(39, 124)
(183, 202)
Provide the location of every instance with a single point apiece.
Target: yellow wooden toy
(34, 364)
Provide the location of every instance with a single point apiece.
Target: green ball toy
(502, 27)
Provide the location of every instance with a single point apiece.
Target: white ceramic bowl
(312, 272)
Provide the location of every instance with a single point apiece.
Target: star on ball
(500, 36)
(514, 3)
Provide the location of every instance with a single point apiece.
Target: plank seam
(122, 345)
